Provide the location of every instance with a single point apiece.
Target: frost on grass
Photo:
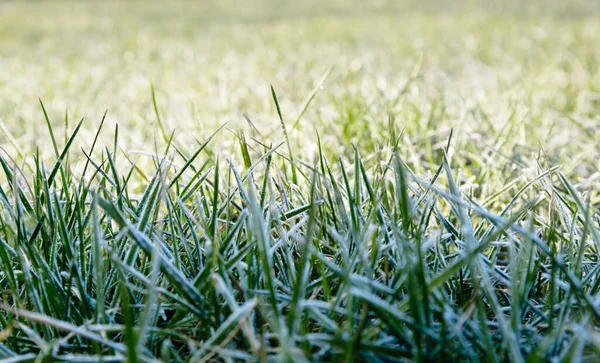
(419, 186)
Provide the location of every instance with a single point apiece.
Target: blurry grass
(436, 197)
(514, 80)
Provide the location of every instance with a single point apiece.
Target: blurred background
(510, 77)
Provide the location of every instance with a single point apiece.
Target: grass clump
(203, 259)
(420, 186)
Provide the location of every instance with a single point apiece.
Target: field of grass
(299, 181)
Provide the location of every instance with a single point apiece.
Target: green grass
(283, 181)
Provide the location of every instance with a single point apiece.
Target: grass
(279, 185)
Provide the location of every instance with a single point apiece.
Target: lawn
(299, 181)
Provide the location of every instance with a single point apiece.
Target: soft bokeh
(509, 78)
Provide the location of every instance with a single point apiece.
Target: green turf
(299, 181)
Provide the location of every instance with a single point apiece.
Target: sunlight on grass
(296, 181)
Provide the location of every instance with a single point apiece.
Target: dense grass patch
(420, 183)
(331, 260)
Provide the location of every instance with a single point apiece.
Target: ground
(299, 180)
